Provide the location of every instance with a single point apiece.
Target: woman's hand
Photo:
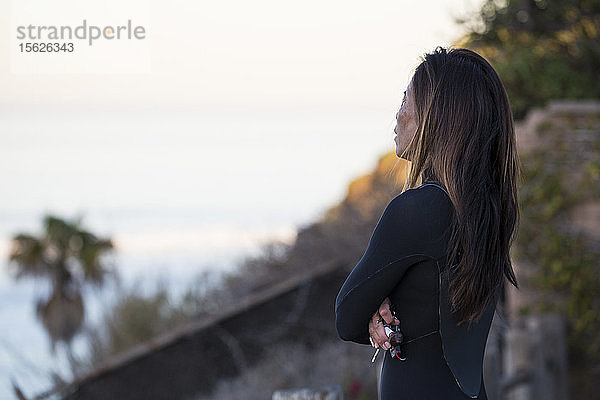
(376, 330)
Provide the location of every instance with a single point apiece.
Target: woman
(436, 261)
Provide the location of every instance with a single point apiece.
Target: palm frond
(26, 257)
(90, 254)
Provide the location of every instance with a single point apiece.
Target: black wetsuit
(403, 261)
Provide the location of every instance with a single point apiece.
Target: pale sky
(266, 53)
(268, 105)
(240, 95)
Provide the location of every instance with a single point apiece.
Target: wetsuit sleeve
(406, 233)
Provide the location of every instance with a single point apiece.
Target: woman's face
(406, 123)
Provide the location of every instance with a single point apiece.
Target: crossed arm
(402, 237)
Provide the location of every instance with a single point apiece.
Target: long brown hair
(466, 141)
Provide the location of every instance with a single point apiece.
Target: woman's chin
(399, 152)
(400, 155)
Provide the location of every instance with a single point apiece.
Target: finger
(386, 313)
(378, 332)
(372, 336)
(382, 340)
(374, 331)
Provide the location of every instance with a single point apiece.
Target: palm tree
(69, 256)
